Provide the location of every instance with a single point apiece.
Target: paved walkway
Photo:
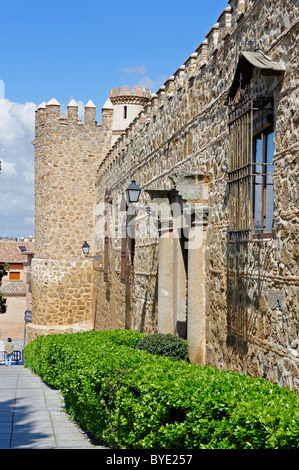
(32, 416)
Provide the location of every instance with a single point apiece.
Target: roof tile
(11, 253)
(13, 288)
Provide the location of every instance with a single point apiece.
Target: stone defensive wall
(208, 71)
(67, 154)
(250, 295)
(66, 157)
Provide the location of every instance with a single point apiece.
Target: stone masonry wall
(251, 291)
(66, 157)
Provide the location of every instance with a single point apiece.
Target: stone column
(165, 281)
(165, 260)
(165, 272)
(196, 325)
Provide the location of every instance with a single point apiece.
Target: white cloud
(8, 168)
(152, 85)
(28, 176)
(81, 108)
(145, 81)
(136, 69)
(2, 90)
(17, 173)
(29, 221)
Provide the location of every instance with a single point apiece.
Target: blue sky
(73, 49)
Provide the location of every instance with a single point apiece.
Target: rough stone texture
(237, 304)
(67, 155)
(250, 302)
(67, 287)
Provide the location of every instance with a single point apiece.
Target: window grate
(249, 118)
(240, 166)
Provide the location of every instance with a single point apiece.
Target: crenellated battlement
(192, 68)
(50, 112)
(192, 75)
(67, 154)
(124, 95)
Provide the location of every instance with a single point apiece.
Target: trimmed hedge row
(165, 345)
(130, 399)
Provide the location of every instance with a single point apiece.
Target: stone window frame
(251, 107)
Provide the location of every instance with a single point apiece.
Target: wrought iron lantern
(133, 192)
(86, 248)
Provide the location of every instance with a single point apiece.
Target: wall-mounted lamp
(133, 192)
(86, 248)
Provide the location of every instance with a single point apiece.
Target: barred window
(251, 146)
(239, 168)
(250, 173)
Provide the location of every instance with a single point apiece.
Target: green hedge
(165, 345)
(127, 398)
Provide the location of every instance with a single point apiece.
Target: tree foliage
(3, 271)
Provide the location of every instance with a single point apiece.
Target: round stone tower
(126, 104)
(67, 155)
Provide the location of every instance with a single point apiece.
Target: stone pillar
(165, 274)
(160, 203)
(179, 275)
(196, 325)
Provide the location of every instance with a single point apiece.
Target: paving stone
(32, 416)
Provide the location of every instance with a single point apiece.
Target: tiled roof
(11, 253)
(13, 288)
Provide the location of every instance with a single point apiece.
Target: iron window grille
(250, 167)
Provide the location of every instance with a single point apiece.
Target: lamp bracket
(97, 258)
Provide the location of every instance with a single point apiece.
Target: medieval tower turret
(126, 106)
(67, 155)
